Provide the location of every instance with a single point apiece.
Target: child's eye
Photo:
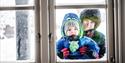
(69, 29)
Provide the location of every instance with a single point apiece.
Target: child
(72, 44)
(90, 18)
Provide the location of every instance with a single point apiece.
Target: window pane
(60, 32)
(17, 36)
(16, 2)
(79, 2)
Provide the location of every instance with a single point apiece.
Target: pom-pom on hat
(92, 14)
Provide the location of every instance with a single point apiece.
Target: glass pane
(79, 2)
(17, 35)
(66, 40)
(16, 2)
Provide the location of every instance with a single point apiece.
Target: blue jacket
(81, 41)
(84, 41)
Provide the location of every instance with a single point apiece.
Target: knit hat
(71, 23)
(92, 14)
(71, 19)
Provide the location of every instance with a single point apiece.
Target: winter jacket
(99, 38)
(84, 41)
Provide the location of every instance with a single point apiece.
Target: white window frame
(36, 9)
(118, 22)
(48, 30)
(109, 29)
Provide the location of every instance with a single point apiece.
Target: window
(57, 15)
(18, 31)
(60, 13)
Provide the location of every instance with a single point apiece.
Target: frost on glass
(60, 13)
(17, 35)
(7, 36)
(24, 2)
(9, 31)
(24, 35)
(78, 2)
(16, 2)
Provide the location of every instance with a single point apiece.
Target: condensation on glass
(17, 35)
(79, 2)
(16, 2)
(60, 13)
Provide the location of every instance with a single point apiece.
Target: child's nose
(72, 32)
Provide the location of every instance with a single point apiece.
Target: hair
(91, 14)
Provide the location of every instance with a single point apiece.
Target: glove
(83, 50)
(65, 52)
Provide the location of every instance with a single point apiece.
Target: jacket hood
(71, 19)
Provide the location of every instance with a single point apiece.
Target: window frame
(36, 8)
(110, 28)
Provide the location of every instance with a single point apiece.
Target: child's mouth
(73, 38)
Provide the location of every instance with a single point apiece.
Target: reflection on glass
(91, 31)
(17, 39)
(78, 2)
(16, 2)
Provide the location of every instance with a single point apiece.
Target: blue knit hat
(69, 18)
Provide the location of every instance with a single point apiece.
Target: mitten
(83, 50)
(65, 52)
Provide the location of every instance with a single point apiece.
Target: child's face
(88, 24)
(72, 31)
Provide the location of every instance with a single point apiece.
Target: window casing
(20, 16)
